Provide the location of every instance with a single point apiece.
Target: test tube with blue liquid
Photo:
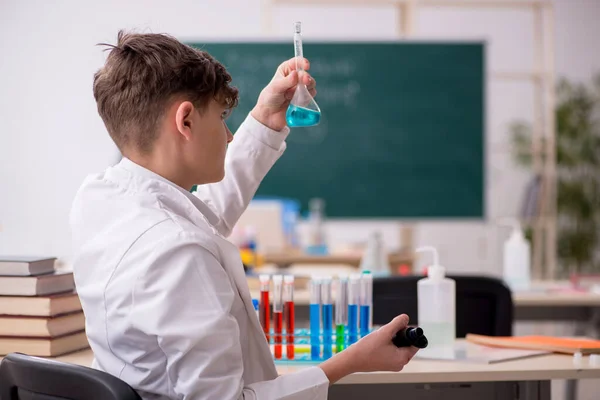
(341, 313)
(327, 308)
(366, 303)
(303, 109)
(315, 318)
(353, 302)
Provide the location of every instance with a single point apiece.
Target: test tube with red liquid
(288, 311)
(265, 317)
(278, 314)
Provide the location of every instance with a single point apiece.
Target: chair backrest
(26, 377)
(483, 304)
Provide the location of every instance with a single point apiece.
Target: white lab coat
(167, 305)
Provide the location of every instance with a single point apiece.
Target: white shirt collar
(138, 170)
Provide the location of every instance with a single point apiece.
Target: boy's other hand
(376, 352)
(275, 98)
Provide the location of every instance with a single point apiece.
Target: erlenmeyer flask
(303, 109)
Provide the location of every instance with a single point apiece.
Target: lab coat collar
(138, 170)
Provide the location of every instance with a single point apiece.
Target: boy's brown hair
(143, 73)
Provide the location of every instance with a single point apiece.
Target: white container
(375, 258)
(437, 304)
(317, 244)
(517, 259)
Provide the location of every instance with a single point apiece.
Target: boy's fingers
(308, 81)
(397, 324)
(281, 85)
(290, 65)
(289, 94)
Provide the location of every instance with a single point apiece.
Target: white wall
(51, 135)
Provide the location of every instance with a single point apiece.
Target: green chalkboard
(402, 127)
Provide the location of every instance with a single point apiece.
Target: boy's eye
(226, 114)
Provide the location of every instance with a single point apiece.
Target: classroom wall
(51, 136)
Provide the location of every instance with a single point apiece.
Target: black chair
(483, 304)
(24, 377)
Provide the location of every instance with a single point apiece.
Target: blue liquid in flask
(300, 116)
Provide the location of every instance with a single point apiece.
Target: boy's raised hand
(274, 99)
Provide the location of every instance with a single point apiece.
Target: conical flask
(303, 109)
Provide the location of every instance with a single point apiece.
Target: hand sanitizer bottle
(517, 258)
(437, 304)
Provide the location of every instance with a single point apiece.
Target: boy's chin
(217, 177)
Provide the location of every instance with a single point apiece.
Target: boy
(167, 305)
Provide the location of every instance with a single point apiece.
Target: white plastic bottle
(437, 304)
(517, 258)
(375, 258)
(316, 240)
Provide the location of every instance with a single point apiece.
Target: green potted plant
(578, 174)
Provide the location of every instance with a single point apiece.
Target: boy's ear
(183, 119)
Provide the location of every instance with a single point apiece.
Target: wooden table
(583, 308)
(556, 299)
(425, 379)
(541, 296)
(542, 304)
(284, 260)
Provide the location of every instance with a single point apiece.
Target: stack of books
(40, 312)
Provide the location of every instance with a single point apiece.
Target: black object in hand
(411, 336)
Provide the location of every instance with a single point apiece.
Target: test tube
(327, 308)
(264, 304)
(256, 305)
(353, 302)
(278, 314)
(288, 313)
(341, 313)
(366, 302)
(315, 318)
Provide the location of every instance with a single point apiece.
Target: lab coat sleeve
(184, 300)
(251, 154)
